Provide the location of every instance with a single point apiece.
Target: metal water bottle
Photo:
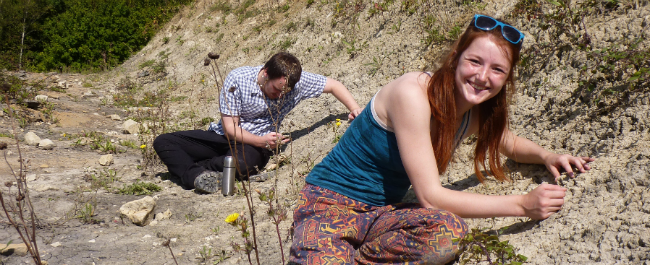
(228, 180)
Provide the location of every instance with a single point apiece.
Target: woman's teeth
(477, 87)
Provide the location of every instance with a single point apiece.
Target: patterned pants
(330, 228)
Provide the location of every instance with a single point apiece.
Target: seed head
(3, 146)
(5, 87)
(9, 184)
(213, 56)
(166, 243)
(206, 62)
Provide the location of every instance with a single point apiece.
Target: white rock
(116, 117)
(32, 139)
(164, 215)
(30, 177)
(106, 160)
(15, 249)
(46, 144)
(40, 98)
(56, 244)
(131, 126)
(138, 211)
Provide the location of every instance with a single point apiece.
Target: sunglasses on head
(508, 32)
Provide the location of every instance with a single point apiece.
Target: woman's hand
(543, 201)
(555, 162)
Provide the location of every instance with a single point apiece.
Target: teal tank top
(366, 165)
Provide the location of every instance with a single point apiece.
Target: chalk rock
(32, 139)
(41, 98)
(138, 211)
(164, 215)
(106, 160)
(46, 144)
(18, 249)
(116, 117)
(131, 126)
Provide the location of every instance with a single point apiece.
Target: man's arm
(341, 93)
(234, 132)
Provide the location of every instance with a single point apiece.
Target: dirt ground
(605, 218)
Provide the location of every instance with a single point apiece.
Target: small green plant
(102, 179)
(276, 212)
(351, 47)
(139, 188)
(165, 40)
(147, 63)
(284, 8)
(292, 26)
(219, 38)
(86, 213)
(129, 143)
(192, 216)
(478, 246)
(206, 253)
(433, 32)
(241, 224)
(455, 32)
(375, 65)
(222, 6)
(284, 45)
(335, 125)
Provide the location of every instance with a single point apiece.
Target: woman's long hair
(493, 114)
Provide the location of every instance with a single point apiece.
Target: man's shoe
(208, 182)
(260, 177)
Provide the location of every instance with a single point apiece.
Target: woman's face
(482, 71)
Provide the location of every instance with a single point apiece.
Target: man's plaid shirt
(241, 96)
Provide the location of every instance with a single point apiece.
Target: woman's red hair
(493, 114)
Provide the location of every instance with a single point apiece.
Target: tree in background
(77, 35)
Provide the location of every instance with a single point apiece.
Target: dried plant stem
(23, 202)
(166, 243)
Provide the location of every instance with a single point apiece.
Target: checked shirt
(241, 96)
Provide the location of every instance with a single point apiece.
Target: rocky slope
(363, 44)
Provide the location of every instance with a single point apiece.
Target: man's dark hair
(284, 64)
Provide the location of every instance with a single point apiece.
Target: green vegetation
(86, 213)
(478, 245)
(102, 179)
(76, 35)
(610, 73)
(139, 188)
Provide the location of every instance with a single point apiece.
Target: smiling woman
(405, 137)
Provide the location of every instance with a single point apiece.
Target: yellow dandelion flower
(143, 146)
(338, 123)
(232, 218)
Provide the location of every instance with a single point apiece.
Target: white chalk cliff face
(606, 211)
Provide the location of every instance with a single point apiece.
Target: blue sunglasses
(508, 32)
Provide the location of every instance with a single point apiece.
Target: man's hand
(543, 201)
(353, 114)
(272, 140)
